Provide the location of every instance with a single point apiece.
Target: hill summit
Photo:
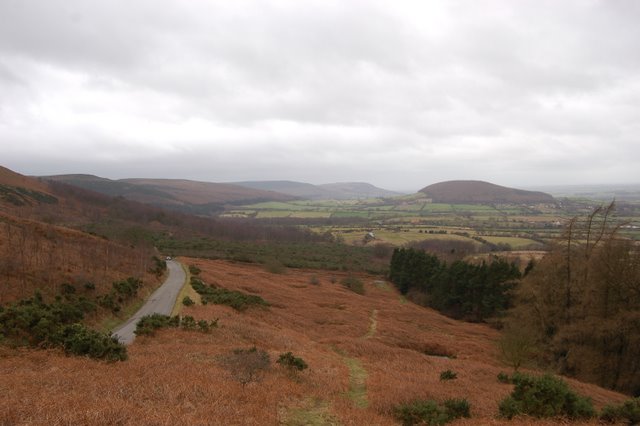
(479, 192)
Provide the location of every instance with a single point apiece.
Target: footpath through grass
(313, 412)
(357, 382)
(373, 326)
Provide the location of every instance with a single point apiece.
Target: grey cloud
(356, 90)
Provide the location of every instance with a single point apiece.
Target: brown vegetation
(181, 377)
(11, 178)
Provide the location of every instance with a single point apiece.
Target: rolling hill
(479, 192)
(187, 196)
(329, 191)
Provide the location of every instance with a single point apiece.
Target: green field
(413, 218)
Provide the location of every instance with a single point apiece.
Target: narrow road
(161, 302)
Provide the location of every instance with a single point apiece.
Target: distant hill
(295, 189)
(329, 191)
(356, 190)
(201, 198)
(479, 192)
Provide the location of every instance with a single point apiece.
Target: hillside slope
(11, 178)
(329, 191)
(17, 190)
(39, 252)
(201, 198)
(479, 192)
(366, 354)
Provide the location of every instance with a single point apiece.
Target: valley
(345, 287)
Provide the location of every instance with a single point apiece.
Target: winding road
(161, 301)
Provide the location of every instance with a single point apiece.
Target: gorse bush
(627, 412)
(34, 323)
(292, 362)
(353, 284)
(127, 288)
(430, 412)
(187, 322)
(187, 301)
(77, 339)
(503, 377)
(121, 291)
(148, 324)
(421, 412)
(205, 327)
(544, 396)
(67, 288)
(159, 266)
(448, 375)
(221, 296)
(456, 408)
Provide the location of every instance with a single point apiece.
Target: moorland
(513, 307)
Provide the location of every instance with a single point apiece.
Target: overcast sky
(400, 94)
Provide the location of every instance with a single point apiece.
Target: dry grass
(176, 377)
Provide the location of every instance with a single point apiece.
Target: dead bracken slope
(366, 353)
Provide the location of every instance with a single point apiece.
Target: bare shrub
(247, 365)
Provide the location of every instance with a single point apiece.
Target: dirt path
(311, 412)
(357, 382)
(373, 326)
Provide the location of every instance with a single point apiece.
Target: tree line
(462, 290)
